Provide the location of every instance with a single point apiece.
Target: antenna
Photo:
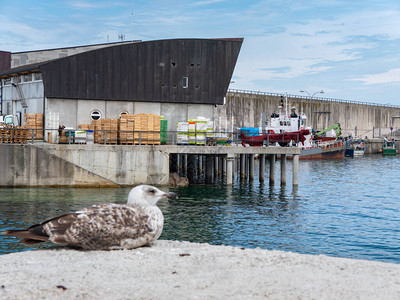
(133, 32)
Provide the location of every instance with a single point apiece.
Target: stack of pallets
(126, 127)
(96, 128)
(5, 136)
(20, 135)
(108, 131)
(13, 135)
(35, 122)
(147, 129)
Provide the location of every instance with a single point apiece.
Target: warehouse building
(179, 79)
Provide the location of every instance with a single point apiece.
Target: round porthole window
(124, 112)
(95, 115)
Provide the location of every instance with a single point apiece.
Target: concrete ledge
(43, 164)
(182, 270)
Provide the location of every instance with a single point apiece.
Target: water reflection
(346, 208)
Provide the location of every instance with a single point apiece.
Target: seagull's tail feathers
(28, 236)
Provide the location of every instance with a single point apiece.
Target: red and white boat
(289, 130)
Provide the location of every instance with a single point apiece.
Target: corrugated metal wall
(148, 71)
(5, 61)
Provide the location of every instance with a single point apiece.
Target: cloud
(390, 76)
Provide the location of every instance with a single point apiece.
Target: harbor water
(342, 208)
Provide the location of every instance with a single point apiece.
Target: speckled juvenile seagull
(106, 226)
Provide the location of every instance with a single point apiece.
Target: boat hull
(320, 153)
(389, 151)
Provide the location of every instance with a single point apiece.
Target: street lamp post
(311, 97)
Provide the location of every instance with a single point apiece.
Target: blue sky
(350, 49)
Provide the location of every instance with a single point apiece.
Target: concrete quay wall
(81, 165)
(43, 164)
(246, 108)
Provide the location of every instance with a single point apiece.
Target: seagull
(105, 226)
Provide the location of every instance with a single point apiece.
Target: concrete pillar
(242, 166)
(209, 168)
(283, 169)
(221, 166)
(216, 170)
(246, 162)
(272, 169)
(229, 170)
(191, 167)
(179, 164)
(261, 168)
(251, 167)
(224, 166)
(295, 169)
(235, 163)
(185, 164)
(200, 165)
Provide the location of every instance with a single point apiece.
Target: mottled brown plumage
(106, 226)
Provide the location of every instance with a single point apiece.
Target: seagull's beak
(171, 195)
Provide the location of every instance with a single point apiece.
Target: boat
(356, 147)
(283, 139)
(289, 130)
(388, 147)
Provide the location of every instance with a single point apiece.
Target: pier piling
(261, 176)
(251, 167)
(295, 169)
(272, 169)
(283, 169)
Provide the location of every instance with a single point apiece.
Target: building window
(185, 82)
(95, 115)
(124, 112)
(37, 76)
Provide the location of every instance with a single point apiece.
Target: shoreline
(184, 270)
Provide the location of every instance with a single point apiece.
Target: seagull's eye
(152, 191)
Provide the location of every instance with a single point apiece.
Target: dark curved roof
(147, 71)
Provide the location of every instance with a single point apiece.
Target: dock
(223, 161)
(97, 165)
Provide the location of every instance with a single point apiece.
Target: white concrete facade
(75, 112)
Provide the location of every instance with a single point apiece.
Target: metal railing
(125, 137)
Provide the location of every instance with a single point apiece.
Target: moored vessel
(289, 130)
(388, 147)
(356, 147)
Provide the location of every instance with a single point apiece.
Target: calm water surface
(344, 208)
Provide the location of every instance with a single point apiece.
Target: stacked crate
(104, 124)
(112, 136)
(182, 136)
(192, 132)
(86, 127)
(201, 130)
(108, 131)
(34, 121)
(147, 129)
(96, 127)
(164, 131)
(126, 127)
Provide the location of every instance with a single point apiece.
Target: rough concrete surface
(183, 270)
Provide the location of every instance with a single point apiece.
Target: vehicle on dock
(356, 147)
(388, 147)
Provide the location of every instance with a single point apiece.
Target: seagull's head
(148, 195)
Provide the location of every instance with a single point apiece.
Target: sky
(350, 49)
